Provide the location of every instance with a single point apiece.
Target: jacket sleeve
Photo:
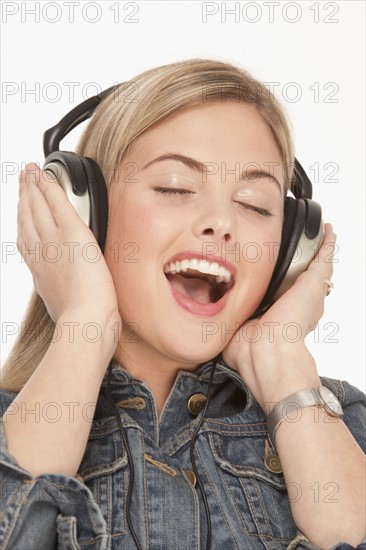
(353, 402)
(46, 512)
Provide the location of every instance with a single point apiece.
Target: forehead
(225, 133)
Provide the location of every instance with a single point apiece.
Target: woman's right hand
(68, 268)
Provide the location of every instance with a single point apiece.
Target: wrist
(289, 377)
(90, 328)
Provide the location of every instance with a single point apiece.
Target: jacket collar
(120, 378)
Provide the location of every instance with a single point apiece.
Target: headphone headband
(83, 111)
(301, 185)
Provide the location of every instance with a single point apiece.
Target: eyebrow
(201, 168)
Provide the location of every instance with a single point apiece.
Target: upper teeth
(221, 273)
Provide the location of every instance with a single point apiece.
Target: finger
(323, 261)
(43, 219)
(56, 198)
(20, 241)
(22, 182)
(30, 252)
(25, 222)
(304, 301)
(329, 240)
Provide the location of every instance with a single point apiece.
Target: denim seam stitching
(229, 492)
(195, 510)
(17, 506)
(145, 494)
(218, 503)
(259, 497)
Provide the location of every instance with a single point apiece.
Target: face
(195, 219)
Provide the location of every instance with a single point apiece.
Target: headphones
(84, 185)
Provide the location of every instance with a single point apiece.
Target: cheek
(129, 229)
(259, 252)
(137, 240)
(258, 256)
(124, 262)
(135, 219)
(124, 246)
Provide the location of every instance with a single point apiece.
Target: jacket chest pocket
(104, 471)
(254, 494)
(68, 540)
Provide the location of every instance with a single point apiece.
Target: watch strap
(299, 400)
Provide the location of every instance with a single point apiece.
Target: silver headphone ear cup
(81, 203)
(306, 251)
(83, 182)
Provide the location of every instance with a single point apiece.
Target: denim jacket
(248, 502)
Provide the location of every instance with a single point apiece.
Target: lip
(206, 310)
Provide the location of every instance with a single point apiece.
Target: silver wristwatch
(319, 396)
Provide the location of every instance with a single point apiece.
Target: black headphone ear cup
(84, 185)
(98, 195)
(293, 225)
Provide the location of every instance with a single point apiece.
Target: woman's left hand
(272, 358)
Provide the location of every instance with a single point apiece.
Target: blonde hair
(122, 117)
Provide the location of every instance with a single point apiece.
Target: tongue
(197, 289)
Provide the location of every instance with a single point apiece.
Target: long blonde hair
(129, 111)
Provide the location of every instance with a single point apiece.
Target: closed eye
(261, 211)
(173, 190)
(182, 191)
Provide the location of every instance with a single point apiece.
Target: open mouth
(202, 282)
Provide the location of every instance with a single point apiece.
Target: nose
(215, 219)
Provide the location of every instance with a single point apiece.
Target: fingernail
(48, 175)
(30, 166)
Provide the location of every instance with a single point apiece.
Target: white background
(311, 44)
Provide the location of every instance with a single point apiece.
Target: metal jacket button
(196, 403)
(271, 459)
(273, 464)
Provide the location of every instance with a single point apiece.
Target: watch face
(330, 401)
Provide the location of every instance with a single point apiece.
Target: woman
(184, 472)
